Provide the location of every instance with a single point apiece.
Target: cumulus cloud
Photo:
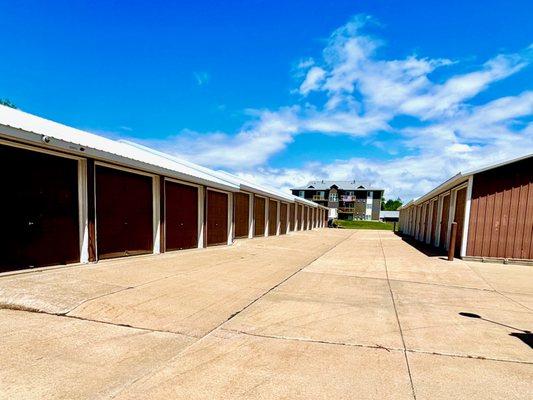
(361, 94)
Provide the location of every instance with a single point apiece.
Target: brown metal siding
(501, 213)
(283, 218)
(217, 218)
(124, 216)
(272, 217)
(302, 217)
(259, 216)
(241, 214)
(306, 218)
(181, 216)
(40, 209)
(444, 221)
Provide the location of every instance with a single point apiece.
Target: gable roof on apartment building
(343, 185)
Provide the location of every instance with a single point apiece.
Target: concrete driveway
(325, 314)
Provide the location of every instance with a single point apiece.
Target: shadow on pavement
(523, 335)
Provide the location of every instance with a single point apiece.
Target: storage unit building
(493, 209)
(73, 196)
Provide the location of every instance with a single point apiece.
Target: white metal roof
(462, 177)
(389, 214)
(242, 183)
(25, 127)
(30, 128)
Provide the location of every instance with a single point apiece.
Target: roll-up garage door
(39, 201)
(459, 217)
(291, 217)
(124, 215)
(217, 218)
(444, 221)
(181, 216)
(283, 218)
(259, 216)
(242, 209)
(272, 217)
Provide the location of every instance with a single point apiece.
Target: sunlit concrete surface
(329, 314)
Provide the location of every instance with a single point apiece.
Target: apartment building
(348, 200)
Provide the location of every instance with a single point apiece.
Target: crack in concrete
(307, 340)
(397, 317)
(404, 281)
(65, 315)
(494, 289)
(376, 346)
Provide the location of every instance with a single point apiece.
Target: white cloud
(313, 79)
(361, 94)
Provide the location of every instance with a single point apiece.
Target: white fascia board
(450, 183)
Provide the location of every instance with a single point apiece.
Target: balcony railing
(319, 197)
(350, 210)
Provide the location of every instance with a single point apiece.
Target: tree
(391, 205)
(8, 103)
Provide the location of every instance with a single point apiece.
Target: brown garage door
(444, 221)
(272, 217)
(39, 201)
(181, 216)
(434, 221)
(124, 220)
(291, 217)
(459, 217)
(241, 213)
(283, 219)
(301, 215)
(306, 218)
(217, 218)
(259, 216)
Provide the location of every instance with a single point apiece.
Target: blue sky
(398, 94)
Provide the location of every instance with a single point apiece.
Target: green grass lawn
(386, 226)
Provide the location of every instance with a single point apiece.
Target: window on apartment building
(333, 197)
(321, 193)
(301, 193)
